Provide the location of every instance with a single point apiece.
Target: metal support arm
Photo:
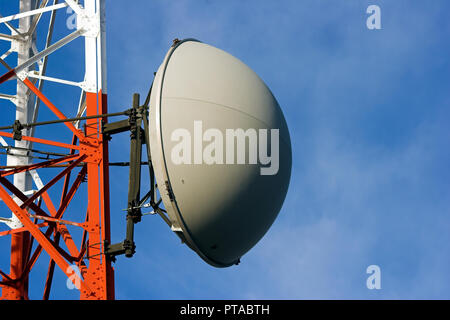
(138, 137)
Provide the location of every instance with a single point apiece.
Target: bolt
(175, 41)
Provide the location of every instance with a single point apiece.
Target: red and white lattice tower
(37, 220)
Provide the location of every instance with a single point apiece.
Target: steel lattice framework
(36, 217)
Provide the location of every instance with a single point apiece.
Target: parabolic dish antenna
(206, 108)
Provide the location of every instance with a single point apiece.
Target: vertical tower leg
(108, 270)
(100, 274)
(23, 181)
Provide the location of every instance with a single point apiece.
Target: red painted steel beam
(45, 242)
(19, 194)
(62, 229)
(38, 165)
(43, 141)
(18, 230)
(52, 182)
(8, 75)
(108, 271)
(53, 108)
(69, 196)
(100, 272)
(50, 272)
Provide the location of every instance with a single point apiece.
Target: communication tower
(220, 209)
(36, 216)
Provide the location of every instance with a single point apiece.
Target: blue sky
(367, 112)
